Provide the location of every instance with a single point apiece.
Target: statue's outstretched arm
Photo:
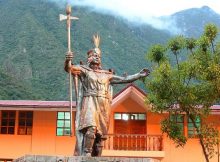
(130, 78)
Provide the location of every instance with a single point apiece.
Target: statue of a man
(94, 100)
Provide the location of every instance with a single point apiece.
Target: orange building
(43, 128)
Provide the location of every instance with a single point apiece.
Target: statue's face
(96, 58)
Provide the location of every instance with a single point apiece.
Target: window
(179, 119)
(129, 116)
(7, 125)
(191, 129)
(25, 122)
(63, 123)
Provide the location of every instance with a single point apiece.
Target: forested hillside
(33, 46)
(192, 21)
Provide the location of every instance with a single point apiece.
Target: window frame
(8, 119)
(193, 133)
(185, 125)
(27, 129)
(181, 123)
(64, 127)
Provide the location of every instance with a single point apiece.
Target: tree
(188, 81)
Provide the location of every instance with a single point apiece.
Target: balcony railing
(134, 142)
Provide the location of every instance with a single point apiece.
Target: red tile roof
(215, 107)
(130, 85)
(34, 103)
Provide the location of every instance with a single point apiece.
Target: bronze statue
(94, 95)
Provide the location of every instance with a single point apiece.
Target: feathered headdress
(96, 41)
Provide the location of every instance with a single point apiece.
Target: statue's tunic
(96, 99)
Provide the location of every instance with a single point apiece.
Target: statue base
(42, 158)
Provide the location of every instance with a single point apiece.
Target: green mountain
(30, 52)
(11, 89)
(192, 21)
(33, 44)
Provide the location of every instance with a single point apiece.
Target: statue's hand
(144, 72)
(69, 56)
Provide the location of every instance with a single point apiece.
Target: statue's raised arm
(74, 69)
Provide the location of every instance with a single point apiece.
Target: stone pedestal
(40, 158)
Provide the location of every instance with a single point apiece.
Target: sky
(145, 11)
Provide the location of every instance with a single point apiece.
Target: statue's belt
(96, 94)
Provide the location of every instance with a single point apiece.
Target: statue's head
(94, 55)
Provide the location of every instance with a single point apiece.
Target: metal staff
(68, 19)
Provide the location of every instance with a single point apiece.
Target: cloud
(143, 11)
(143, 8)
(131, 10)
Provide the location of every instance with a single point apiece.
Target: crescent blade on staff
(68, 19)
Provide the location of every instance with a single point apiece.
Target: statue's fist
(144, 72)
(69, 56)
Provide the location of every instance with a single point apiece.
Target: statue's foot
(88, 154)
